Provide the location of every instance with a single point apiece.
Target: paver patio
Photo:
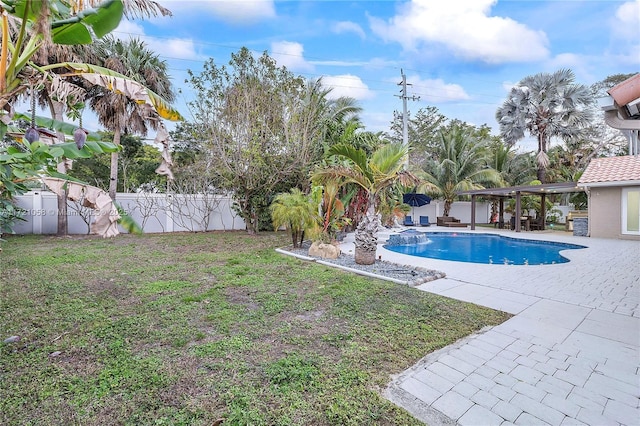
(569, 356)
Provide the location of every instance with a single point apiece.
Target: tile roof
(612, 169)
(627, 91)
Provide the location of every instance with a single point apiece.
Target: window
(631, 211)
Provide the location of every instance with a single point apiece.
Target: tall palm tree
(373, 174)
(460, 163)
(118, 113)
(546, 106)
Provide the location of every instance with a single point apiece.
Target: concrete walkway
(569, 356)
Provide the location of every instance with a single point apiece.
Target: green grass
(187, 329)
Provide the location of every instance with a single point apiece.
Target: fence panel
(155, 213)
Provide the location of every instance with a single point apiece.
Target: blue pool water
(482, 248)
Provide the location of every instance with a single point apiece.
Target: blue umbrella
(416, 200)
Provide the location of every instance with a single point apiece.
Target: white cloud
(347, 85)
(627, 20)
(436, 90)
(175, 48)
(127, 30)
(238, 12)
(624, 30)
(290, 55)
(579, 64)
(376, 121)
(348, 27)
(466, 28)
(171, 48)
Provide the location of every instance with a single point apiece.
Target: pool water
(485, 248)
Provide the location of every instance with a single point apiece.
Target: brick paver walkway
(569, 356)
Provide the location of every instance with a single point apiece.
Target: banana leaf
(67, 29)
(50, 123)
(123, 85)
(76, 30)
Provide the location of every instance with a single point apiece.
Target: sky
(461, 56)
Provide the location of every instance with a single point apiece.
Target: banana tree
(374, 174)
(37, 23)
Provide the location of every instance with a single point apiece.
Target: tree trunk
(542, 148)
(447, 208)
(113, 177)
(57, 113)
(542, 175)
(366, 238)
(62, 215)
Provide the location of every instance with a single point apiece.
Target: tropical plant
(373, 174)
(546, 106)
(26, 27)
(29, 161)
(331, 116)
(39, 22)
(118, 112)
(295, 211)
(422, 132)
(260, 126)
(136, 166)
(459, 164)
(330, 218)
(391, 207)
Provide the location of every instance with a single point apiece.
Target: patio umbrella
(415, 200)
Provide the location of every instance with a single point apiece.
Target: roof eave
(635, 182)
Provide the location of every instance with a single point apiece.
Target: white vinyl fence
(184, 212)
(459, 209)
(153, 212)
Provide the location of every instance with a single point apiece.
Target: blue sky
(461, 56)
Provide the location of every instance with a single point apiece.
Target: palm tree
(545, 105)
(373, 174)
(118, 113)
(295, 211)
(459, 164)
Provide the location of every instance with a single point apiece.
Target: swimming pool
(481, 248)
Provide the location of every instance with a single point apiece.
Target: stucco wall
(605, 213)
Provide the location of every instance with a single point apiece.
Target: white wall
(459, 209)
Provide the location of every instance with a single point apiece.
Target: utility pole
(405, 115)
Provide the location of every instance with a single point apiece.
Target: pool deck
(570, 355)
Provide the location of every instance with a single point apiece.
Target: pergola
(516, 192)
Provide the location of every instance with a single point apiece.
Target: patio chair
(424, 221)
(408, 221)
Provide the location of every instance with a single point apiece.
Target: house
(613, 184)
(613, 189)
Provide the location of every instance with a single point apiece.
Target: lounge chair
(450, 221)
(408, 221)
(424, 221)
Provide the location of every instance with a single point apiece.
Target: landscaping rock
(324, 251)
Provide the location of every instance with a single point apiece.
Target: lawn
(208, 328)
